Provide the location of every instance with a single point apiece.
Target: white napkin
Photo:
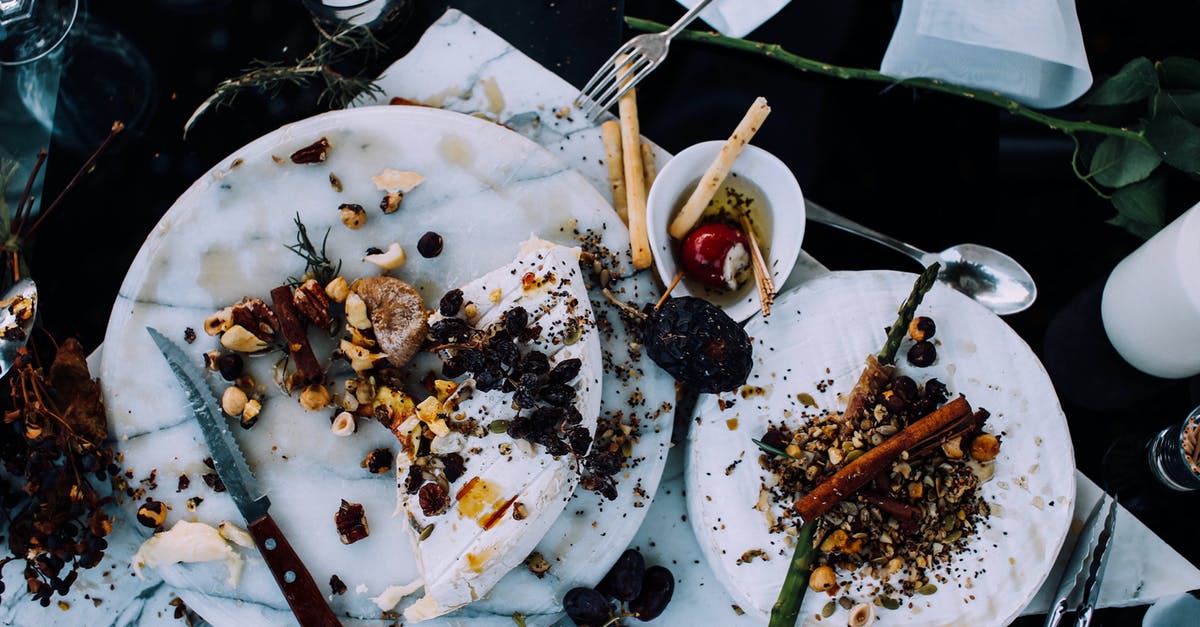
(736, 18)
(1029, 50)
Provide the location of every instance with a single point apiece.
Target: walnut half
(351, 522)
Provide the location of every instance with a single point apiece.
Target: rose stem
(117, 127)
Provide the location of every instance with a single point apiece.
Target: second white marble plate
(823, 331)
(487, 189)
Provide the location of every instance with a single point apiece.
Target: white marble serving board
(452, 59)
(487, 189)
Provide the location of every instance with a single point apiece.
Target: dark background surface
(932, 170)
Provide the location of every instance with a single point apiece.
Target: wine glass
(31, 37)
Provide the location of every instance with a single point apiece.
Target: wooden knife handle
(301, 592)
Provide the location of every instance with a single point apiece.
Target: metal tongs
(1081, 579)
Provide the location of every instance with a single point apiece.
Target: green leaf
(1141, 207)
(1184, 104)
(1180, 72)
(1118, 162)
(1177, 140)
(1136, 81)
(771, 449)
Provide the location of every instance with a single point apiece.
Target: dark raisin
(553, 444)
(557, 394)
(520, 428)
(546, 419)
(580, 439)
(624, 580)
(527, 390)
(922, 354)
(430, 245)
(565, 370)
(471, 359)
(515, 320)
(453, 367)
(230, 365)
(454, 466)
(936, 391)
(450, 331)
(572, 416)
(451, 302)
(414, 480)
(506, 352)
(374, 250)
(533, 362)
(603, 462)
(489, 379)
(905, 387)
(586, 606)
(657, 588)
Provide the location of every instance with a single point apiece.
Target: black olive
(586, 606)
(515, 320)
(922, 328)
(430, 245)
(922, 354)
(699, 344)
(657, 588)
(451, 302)
(624, 580)
(565, 370)
(230, 365)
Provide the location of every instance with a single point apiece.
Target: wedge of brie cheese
(478, 500)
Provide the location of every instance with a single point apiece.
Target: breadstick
(610, 131)
(648, 165)
(635, 185)
(716, 173)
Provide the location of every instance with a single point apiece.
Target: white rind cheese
(477, 539)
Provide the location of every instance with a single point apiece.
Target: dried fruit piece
(433, 498)
(699, 344)
(351, 522)
(315, 152)
(430, 245)
(657, 588)
(586, 606)
(624, 580)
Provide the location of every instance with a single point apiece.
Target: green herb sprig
(318, 265)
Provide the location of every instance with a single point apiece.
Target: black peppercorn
(430, 245)
(922, 328)
(922, 354)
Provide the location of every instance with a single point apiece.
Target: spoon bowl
(18, 309)
(990, 277)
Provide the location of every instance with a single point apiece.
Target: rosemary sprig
(771, 449)
(270, 76)
(318, 265)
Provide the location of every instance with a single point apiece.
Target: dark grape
(586, 606)
(657, 588)
(624, 579)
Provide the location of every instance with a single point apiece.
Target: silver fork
(629, 65)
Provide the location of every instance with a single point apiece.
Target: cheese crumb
(390, 597)
(187, 542)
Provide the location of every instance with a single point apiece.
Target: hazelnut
(916, 490)
(834, 541)
(356, 312)
(389, 259)
(353, 216)
(233, 400)
(953, 448)
(921, 328)
(537, 564)
(238, 338)
(985, 447)
(152, 513)
(861, 615)
(314, 397)
(250, 413)
(391, 202)
(822, 578)
(210, 359)
(922, 354)
(905, 387)
(470, 311)
(378, 461)
(343, 424)
(337, 290)
(218, 322)
(893, 401)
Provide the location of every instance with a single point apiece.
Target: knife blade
(1091, 544)
(297, 584)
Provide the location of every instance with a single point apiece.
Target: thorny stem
(778, 53)
(26, 202)
(117, 127)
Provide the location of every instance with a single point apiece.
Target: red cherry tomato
(705, 250)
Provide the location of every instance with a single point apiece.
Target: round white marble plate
(487, 190)
(824, 330)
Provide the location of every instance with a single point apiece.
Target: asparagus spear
(787, 607)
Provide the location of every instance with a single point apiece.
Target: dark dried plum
(534, 362)
(451, 302)
(657, 588)
(565, 370)
(515, 320)
(586, 606)
(450, 331)
(557, 394)
(624, 579)
(699, 344)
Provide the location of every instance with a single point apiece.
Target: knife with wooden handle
(298, 586)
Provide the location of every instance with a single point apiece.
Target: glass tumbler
(1174, 454)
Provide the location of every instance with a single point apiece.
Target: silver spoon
(18, 308)
(985, 274)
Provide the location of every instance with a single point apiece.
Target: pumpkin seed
(890, 603)
(927, 589)
(829, 608)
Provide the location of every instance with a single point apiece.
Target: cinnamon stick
(295, 335)
(858, 472)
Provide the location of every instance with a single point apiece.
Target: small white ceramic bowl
(781, 195)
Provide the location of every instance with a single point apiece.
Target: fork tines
(624, 69)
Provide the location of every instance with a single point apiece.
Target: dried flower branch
(271, 76)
